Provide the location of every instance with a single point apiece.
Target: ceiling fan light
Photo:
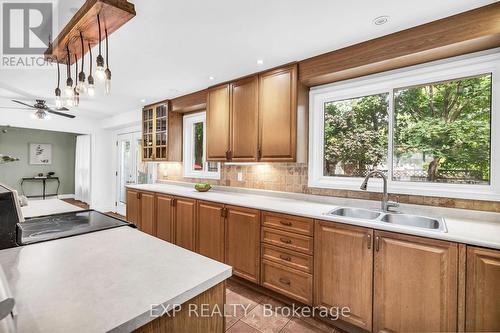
(40, 114)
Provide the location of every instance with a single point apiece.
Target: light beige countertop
(463, 226)
(103, 281)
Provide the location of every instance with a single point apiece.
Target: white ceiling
(171, 47)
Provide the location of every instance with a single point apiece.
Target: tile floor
(248, 311)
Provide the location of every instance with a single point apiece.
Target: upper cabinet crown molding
(254, 118)
(467, 32)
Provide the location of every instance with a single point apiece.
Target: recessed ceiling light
(143, 100)
(260, 62)
(211, 78)
(381, 20)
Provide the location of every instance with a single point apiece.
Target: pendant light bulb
(82, 86)
(107, 83)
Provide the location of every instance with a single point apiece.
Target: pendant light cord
(58, 74)
(99, 24)
(107, 49)
(69, 62)
(76, 67)
(90, 53)
(83, 50)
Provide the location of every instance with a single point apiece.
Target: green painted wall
(16, 143)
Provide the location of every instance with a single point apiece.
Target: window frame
(387, 82)
(188, 148)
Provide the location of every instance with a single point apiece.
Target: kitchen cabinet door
(210, 230)
(133, 206)
(244, 119)
(482, 309)
(218, 123)
(278, 114)
(243, 242)
(185, 217)
(147, 214)
(343, 270)
(415, 284)
(164, 217)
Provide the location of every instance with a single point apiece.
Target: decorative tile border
(292, 177)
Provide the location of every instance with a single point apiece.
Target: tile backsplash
(292, 177)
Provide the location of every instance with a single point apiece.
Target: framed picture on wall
(40, 153)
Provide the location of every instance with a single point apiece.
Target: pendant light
(90, 80)
(58, 91)
(107, 83)
(68, 90)
(99, 73)
(82, 86)
(76, 96)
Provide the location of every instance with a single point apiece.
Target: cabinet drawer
(287, 281)
(289, 223)
(288, 240)
(288, 258)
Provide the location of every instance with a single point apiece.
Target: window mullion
(390, 139)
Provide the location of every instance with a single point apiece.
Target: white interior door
(131, 168)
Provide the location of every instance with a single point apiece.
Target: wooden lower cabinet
(287, 281)
(243, 242)
(482, 291)
(133, 206)
(210, 235)
(147, 223)
(184, 222)
(141, 210)
(343, 270)
(415, 284)
(164, 217)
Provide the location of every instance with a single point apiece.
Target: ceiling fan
(42, 110)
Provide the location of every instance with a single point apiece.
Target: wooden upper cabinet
(161, 133)
(164, 217)
(218, 123)
(244, 119)
(147, 213)
(415, 284)
(210, 230)
(243, 242)
(482, 313)
(185, 218)
(343, 270)
(278, 114)
(133, 206)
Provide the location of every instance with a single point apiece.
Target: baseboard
(66, 196)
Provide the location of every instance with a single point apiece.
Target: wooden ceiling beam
(113, 14)
(467, 32)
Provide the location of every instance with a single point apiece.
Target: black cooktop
(50, 227)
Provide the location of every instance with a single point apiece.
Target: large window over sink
(432, 129)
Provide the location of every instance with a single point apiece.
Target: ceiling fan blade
(60, 113)
(22, 103)
(62, 109)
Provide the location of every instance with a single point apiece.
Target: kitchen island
(115, 280)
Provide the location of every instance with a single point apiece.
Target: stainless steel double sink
(405, 220)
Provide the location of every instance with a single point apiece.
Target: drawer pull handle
(287, 223)
(285, 281)
(287, 258)
(285, 240)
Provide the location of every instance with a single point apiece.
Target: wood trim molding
(191, 102)
(467, 32)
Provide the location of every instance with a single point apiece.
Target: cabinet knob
(285, 240)
(284, 281)
(287, 258)
(369, 241)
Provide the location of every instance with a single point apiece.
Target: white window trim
(453, 68)
(188, 148)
